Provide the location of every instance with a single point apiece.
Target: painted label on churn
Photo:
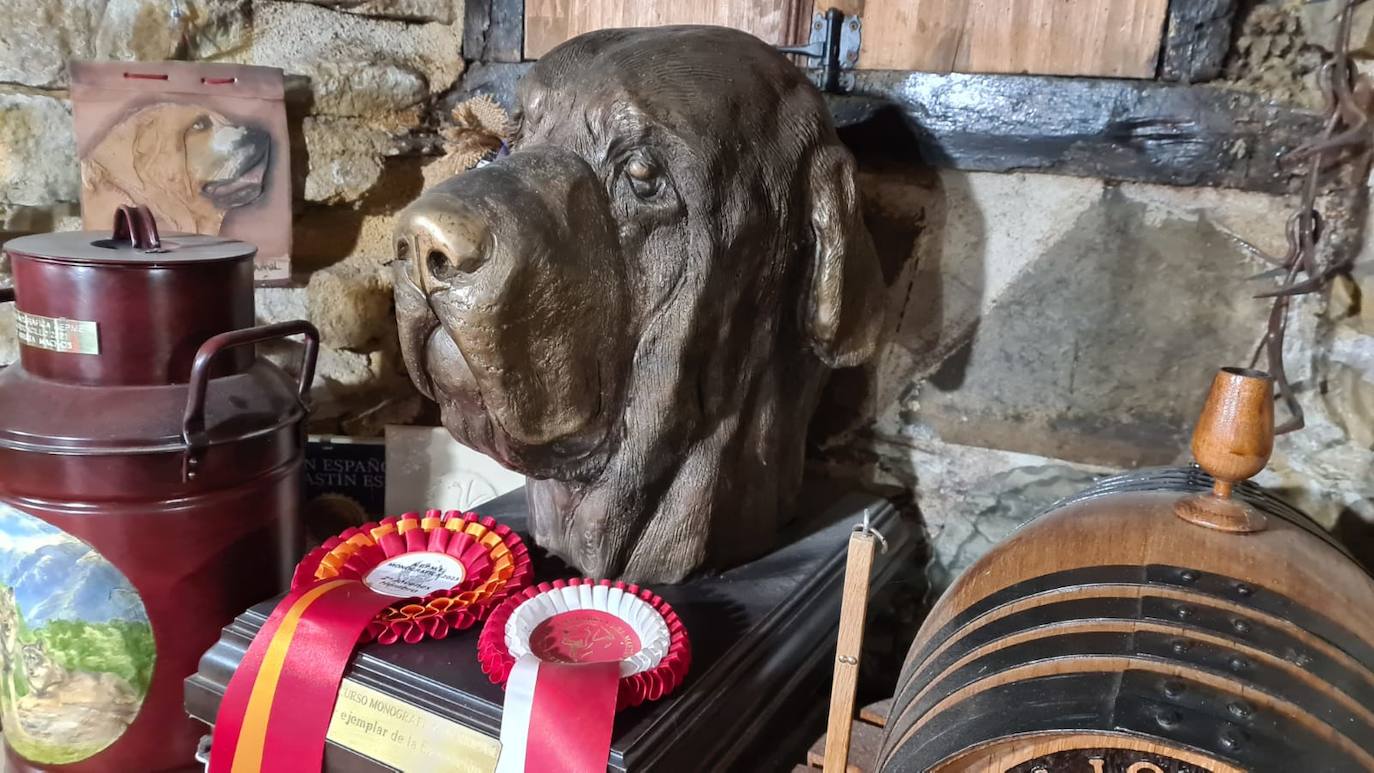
(71, 336)
(76, 648)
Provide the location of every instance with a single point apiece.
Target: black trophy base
(762, 634)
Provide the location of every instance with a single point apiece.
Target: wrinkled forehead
(693, 82)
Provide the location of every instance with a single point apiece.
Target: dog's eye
(644, 178)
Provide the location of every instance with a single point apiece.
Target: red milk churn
(149, 486)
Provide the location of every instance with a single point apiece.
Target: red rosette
(659, 678)
(492, 560)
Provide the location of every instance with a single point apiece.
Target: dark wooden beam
(495, 79)
(1132, 130)
(1088, 127)
(1198, 38)
(494, 30)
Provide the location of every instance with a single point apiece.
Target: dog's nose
(443, 245)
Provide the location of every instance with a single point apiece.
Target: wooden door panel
(1113, 38)
(1117, 38)
(550, 22)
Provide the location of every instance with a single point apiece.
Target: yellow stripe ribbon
(253, 735)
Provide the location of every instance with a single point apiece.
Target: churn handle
(193, 423)
(135, 224)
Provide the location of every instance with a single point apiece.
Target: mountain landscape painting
(76, 648)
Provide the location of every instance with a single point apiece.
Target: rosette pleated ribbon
(569, 655)
(403, 579)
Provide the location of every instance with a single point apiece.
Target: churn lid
(133, 241)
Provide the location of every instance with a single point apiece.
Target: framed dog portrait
(204, 146)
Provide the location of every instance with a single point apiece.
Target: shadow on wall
(933, 303)
(1356, 531)
(933, 306)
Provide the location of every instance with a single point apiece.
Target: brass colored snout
(442, 242)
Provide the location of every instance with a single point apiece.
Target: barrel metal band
(1082, 702)
(1251, 676)
(1201, 621)
(1192, 479)
(1158, 576)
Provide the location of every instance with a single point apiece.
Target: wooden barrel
(1109, 634)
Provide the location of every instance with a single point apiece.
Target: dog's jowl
(637, 308)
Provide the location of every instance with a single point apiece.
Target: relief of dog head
(637, 307)
(189, 164)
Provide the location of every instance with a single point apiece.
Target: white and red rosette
(447, 571)
(569, 655)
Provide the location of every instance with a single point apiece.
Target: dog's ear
(844, 308)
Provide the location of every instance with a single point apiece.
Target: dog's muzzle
(511, 301)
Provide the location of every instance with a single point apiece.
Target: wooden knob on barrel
(1232, 442)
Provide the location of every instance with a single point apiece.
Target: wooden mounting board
(1116, 38)
(550, 22)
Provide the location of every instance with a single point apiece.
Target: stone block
(1096, 334)
(441, 11)
(366, 88)
(280, 304)
(41, 36)
(358, 66)
(323, 236)
(37, 151)
(344, 158)
(1321, 24)
(351, 304)
(9, 345)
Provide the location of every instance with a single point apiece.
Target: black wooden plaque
(763, 639)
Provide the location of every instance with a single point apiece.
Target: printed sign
(416, 574)
(71, 336)
(405, 737)
(76, 649)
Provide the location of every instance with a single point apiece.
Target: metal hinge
(835, 41)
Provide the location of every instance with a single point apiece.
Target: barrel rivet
(1238, 663)
(1243, 589)
(1173, 689)
(1168, 718)
(1179, 646)
(1188, 575)
(1239, 709)
(1232, 739)
(1240, 625)
(1183, 612)
(1303, 659)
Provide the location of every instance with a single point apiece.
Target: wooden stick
(853, 606)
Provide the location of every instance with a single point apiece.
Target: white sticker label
(416, 574)
(73, 336)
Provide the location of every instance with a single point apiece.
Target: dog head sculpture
(637, 307)
(189, 164)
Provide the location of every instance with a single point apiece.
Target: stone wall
(1046, 330)
(1042, 330)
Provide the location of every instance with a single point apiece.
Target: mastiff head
(638, 306)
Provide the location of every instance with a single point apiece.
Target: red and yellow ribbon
(277, 707)
(278, 704)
